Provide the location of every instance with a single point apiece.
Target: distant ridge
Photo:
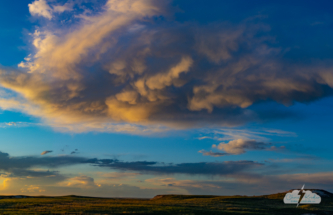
(174, 196)
(320, 192)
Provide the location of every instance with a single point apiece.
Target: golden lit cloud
(239, 146)
(31, 189)
(80, 181)
(119, 70)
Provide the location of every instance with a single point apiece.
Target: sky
(136, 98)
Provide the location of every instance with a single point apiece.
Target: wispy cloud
(299, 159)
(172, 182)
(202, 168)
(119, 175)
(32, 189)
(46, 152)
(263, 134)
(17, 124)
(19, 166)
(213, 154)
(76, 151)
(43, 9)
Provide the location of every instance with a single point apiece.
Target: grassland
(167, 204)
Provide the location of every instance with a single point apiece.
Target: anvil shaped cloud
(126, 69)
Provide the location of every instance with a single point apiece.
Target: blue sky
(136, 98)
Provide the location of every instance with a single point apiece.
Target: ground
(163, 204)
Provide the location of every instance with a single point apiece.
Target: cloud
(172, 182)
(23, 166)
(42, 8)
(213, 154)
(227, 134)
(324, 178)
(21, 172)
(232, 184)
(301, 159)
(46, 152)
(79, 185)
(202, 168)
(75, 152)
(62, 8)
(118, 175)
(30, 171)
(246, 184)
(239, 140)
(231, 177)
(10, 123)
(80, 181)
(32, 189)
(120, 70)
(16, 124)
(240, 146)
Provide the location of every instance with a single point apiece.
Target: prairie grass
(167, 204)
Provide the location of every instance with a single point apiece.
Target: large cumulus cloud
(126, 68)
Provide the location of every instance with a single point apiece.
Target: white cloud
(63, 8)
(40, 8)
(17, 124)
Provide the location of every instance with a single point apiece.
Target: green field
(166, 204)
